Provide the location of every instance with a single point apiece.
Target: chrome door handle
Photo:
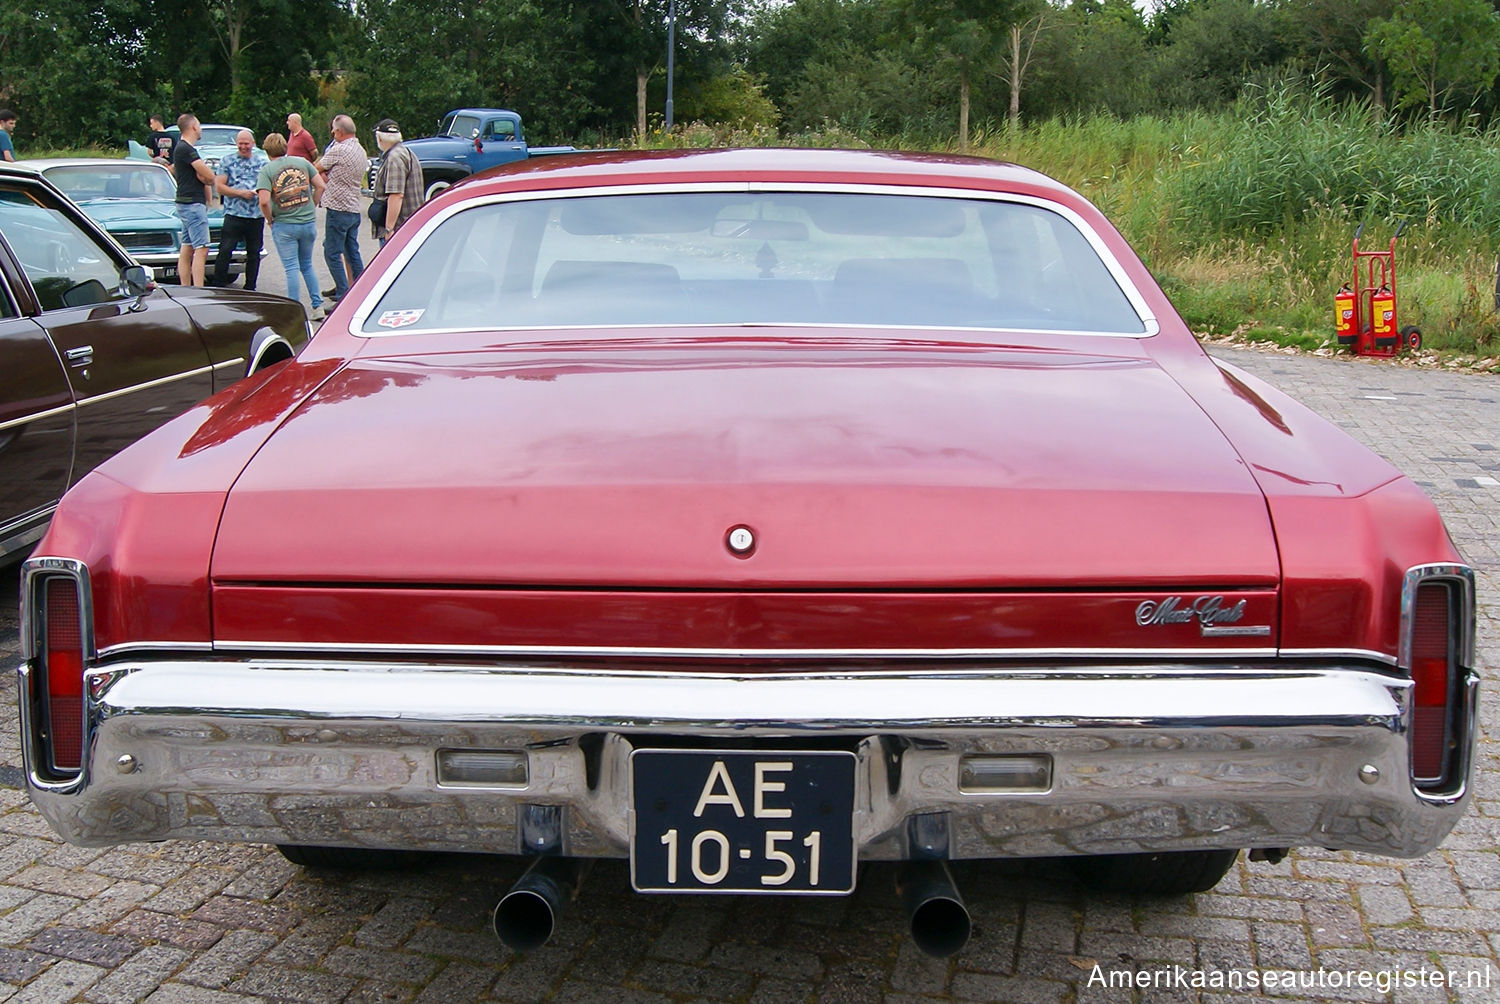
(81, 356)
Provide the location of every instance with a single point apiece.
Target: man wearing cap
(398, 180)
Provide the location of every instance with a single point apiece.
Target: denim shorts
(194, 217)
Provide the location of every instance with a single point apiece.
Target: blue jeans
(341, 241)
(194, 219)
(294, 243)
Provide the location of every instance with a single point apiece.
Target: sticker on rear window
(399, 318)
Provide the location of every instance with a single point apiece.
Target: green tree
(1329, 35)
(422, 58)
(637, 35)
(1438, 50)
(1213, 48)
(73, 70)
(1019, 49)
(1092, 61)
(870, 94)
(782, 42)
(965, 36)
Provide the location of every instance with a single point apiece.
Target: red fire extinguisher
(1383, 316)
(1344, 322)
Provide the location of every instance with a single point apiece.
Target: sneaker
(316, 314)
(329, 292)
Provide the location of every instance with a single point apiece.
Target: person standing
(289, 189)
(235, 181)
(345, 163)
(7, 126)
(398, 180)
(194, 179)
(159, 142)
(300, 142)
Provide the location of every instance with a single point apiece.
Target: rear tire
(1411, 337)
(436, 188)
(1172, 873)
(363, 859)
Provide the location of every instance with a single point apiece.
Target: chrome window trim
(26, 530)
(39, 416)
(744, 654)
(144, 647)
(1299, 654)
(1111, 263)
(158, 382)
(27, 518)
(1339, 653)
(1236, 669)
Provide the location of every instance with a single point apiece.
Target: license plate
(740, 821)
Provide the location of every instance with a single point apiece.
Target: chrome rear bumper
(1143, 758)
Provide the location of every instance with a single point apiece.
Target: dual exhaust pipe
(526, 917)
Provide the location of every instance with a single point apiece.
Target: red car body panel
(857, 468)
(885, 624)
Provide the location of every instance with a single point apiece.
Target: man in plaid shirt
(343, 165)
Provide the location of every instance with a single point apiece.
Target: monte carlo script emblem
(1215, 617)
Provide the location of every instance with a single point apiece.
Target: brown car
(93, 355)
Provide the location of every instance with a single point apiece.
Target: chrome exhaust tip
(526, 916)
(935, 912)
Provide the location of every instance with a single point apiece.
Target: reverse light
(482, 768)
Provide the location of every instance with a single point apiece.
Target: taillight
(62, 666)
(1433, 679)
(1437, 634)
(57, 641)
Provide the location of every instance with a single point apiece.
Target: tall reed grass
(1247, 217)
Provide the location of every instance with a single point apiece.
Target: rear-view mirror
(136, 280)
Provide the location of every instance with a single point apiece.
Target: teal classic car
(133, 200)
(217, 141)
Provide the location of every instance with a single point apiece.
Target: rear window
(763, 258)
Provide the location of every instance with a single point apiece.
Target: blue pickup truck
(471, 140)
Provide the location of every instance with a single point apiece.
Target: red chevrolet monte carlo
(750, 515)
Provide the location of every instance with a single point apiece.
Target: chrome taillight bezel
(1458, 580)
(37, 575)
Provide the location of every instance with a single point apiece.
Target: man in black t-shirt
(193, 179)
(159, 142)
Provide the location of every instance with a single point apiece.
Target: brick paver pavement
(174, 923)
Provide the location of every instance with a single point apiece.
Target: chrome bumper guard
(1142, 758)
